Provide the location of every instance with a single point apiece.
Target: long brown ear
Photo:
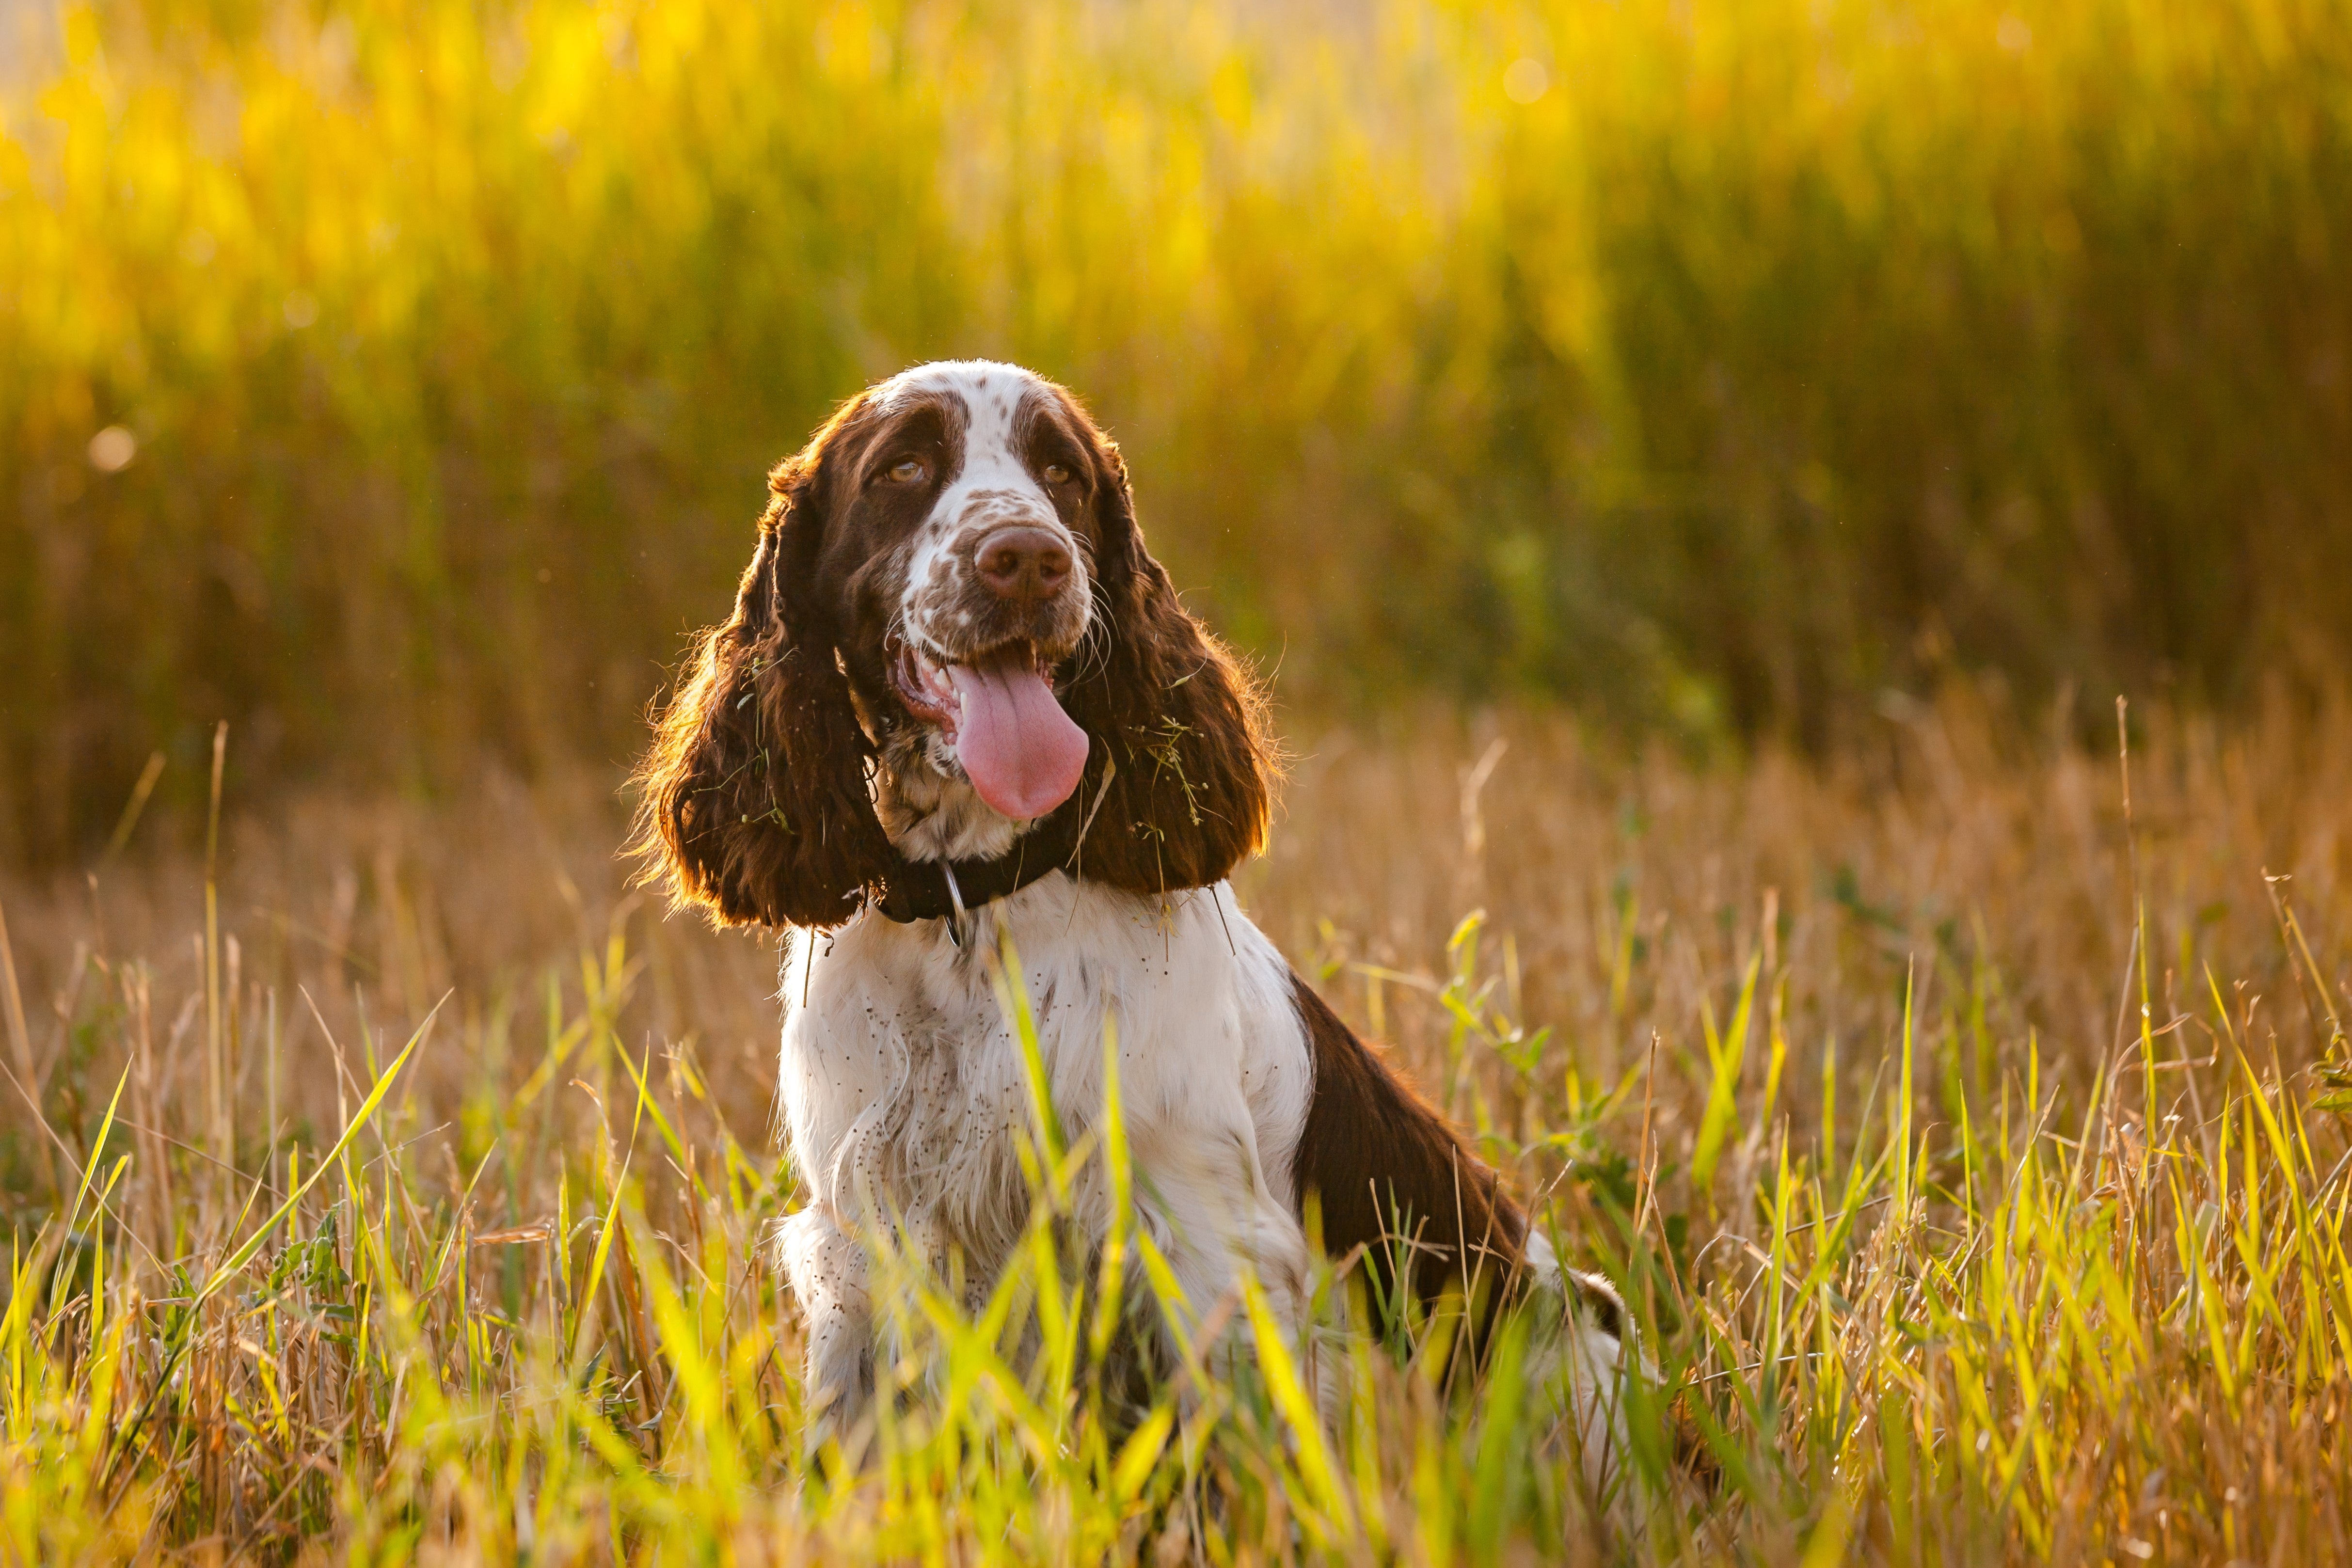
(753, 799)
(1183, 725)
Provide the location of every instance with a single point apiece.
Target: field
(1695, 474)
(1962, 1131)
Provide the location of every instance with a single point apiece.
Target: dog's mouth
(998, 710)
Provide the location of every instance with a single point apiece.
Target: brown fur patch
(1181, 724)
(1385, 1165)
(753, 798)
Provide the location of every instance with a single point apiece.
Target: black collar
(933, 890)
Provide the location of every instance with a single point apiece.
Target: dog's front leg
(1206, 1203)
(827, 1267)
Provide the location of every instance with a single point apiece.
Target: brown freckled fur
(1182, 723)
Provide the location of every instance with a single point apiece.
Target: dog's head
(949, 630)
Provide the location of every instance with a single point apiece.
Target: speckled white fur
(903, 1096)
(991, 488)
(932, 813)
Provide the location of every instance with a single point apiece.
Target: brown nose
(1022, 563)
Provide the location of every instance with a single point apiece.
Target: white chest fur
(903, 1091)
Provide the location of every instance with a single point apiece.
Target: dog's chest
(905, 1089)
(967, 1103)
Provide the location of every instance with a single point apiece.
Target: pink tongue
(1023, 754)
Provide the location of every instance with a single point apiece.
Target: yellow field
(1962, 1139)
(1697, 472)
(1714, 364)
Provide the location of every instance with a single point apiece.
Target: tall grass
(1772, 352)
(1969, 1141)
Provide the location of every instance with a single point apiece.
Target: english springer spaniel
(959, 702)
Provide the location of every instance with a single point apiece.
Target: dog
(960, 705)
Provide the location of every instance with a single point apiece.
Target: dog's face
(963, 503)
(951, 617)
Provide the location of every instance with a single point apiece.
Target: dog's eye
(906, 471)
(1056, 474)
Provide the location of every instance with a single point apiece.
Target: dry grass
(1970, 1234)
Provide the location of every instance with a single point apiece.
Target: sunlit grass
(1932, 1266)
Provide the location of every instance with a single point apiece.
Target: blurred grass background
(394, 378)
